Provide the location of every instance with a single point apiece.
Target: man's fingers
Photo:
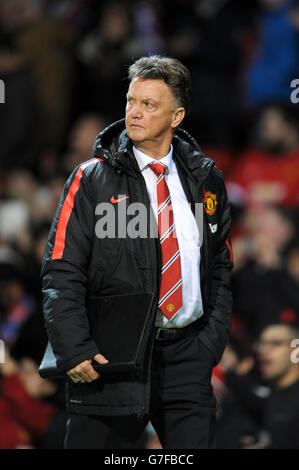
(83, 372)
(91, 374)
(83, 377)
(74, 377)
(86, 377)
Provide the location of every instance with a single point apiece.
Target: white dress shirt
(187, 235)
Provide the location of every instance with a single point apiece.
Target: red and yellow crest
(209, 202)
(170, 307)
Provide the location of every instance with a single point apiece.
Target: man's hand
(250, 442)
(34, 385)
(230, 361)
(9, 367)
(84, 372)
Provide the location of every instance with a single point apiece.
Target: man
(144, 159)
(278, 362)
(263, 173)
(273, 405)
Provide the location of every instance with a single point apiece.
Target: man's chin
(136, 135)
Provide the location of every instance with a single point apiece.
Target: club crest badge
(209, 202)
(170, 307)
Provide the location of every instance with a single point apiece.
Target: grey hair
(171, 71)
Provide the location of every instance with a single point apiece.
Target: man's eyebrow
(150, 99)
(128, 95)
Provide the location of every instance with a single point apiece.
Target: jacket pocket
(206, 343)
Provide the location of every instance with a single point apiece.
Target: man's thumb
(100, 359)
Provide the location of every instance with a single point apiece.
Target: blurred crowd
(64, 66)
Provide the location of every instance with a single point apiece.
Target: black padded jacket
(78, 264)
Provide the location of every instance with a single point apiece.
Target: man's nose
(136, 111)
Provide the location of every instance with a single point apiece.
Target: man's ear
(178, 116)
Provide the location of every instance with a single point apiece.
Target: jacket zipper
(153, 282)
(151, 255)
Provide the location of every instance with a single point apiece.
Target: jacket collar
(114, 145)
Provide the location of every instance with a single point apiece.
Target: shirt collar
(144, 160)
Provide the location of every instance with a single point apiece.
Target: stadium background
(64, 66)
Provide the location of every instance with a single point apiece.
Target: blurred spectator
(80, 140)
(273, 400)
(217, 63)
(23, 333)
(24, 416)
(262, 234)
(268, 171)
(147, 28)
(21, 322)
(44, 136)
(193, 31)
(292, 259)
(14, 221)
(234, 420)
(222, 156)
(49, 393)
(19, 116)
(26, 204)
(264, 289)
(276, 60)
(103, 55)
(43, 44)
(75, 14)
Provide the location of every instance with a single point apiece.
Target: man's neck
(156, 151)
(288, 379)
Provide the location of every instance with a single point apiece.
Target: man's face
(150, 115)
(272, 128)
(274, 352)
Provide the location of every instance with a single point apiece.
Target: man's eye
(149, 105)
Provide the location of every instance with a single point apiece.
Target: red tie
(170, 300)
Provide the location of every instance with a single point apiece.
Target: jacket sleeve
(65, 273)
(216, 332)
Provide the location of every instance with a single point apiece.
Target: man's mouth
(264, 364)
(136, 125)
